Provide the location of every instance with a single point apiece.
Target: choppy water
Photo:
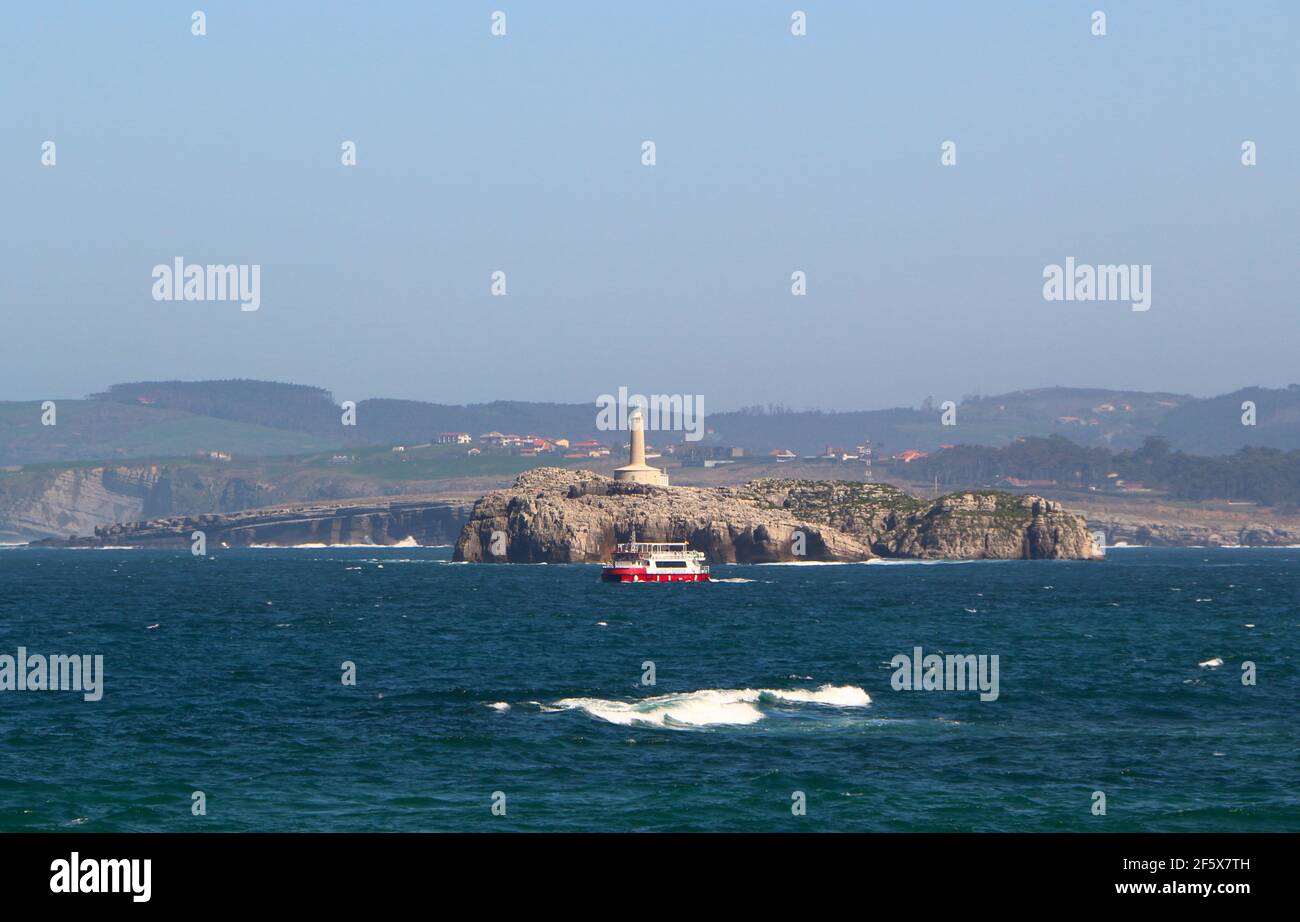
(223, 675)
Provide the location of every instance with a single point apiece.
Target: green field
(95, 430)
(430, 462)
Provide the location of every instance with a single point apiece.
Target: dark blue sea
(524, 686)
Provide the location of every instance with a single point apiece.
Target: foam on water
(914, 562)
(106, 547)
(316, 546)
(811, 563)
(711, 707)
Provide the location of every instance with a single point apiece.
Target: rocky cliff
(1134, 530)
(37, 504)
(424, 522)
(566, 516)
(75, 501)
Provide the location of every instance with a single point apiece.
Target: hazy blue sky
(775, 153)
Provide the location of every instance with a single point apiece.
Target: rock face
(74, 501)
(382, 523)
(553, 515)
(1128, 530)
(1268, 536)
(56, 504)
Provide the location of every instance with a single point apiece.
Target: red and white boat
(655, 562)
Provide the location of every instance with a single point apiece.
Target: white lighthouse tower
(636, 470)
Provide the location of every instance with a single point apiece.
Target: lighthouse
(636, 470)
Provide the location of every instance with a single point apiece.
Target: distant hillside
(1088, 416)
(1213, 426)
(91, 430)
(1267, 476)
(294, 407)
(388, 421)
(145, 420)
(299, 408)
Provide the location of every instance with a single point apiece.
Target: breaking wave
(711, 706)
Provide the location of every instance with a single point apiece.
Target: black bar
(942, 869)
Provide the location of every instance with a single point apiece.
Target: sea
(378, 689)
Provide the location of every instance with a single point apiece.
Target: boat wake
(711, 706)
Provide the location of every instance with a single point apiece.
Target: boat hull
(641, 575)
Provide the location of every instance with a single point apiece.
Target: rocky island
(556, 515)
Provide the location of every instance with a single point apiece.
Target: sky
(774, 153)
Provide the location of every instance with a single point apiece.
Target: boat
(655, 562)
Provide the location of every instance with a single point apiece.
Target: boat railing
(674, 550)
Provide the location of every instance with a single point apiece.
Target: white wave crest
(840, 696)
(711, 707)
